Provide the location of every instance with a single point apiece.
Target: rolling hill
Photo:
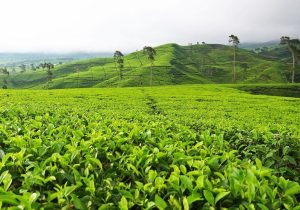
(174, 64)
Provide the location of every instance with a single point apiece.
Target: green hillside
(276, 53)
(270, 50)
(174, 64)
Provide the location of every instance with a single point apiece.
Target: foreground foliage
(186, 147)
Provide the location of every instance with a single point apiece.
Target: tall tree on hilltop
(234, 40)
(48, 67)
(150, 52)
(292, 46)
(119, 61)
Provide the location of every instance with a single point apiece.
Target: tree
(292, 46)
(77, 70)
(5, 72)
(150, 52)
(13, 70)
(49, 72)
(137, 55)
(48, 67)
(23, 68)
(235, 43)
(245, 67)
(32, 66)
(119, 61)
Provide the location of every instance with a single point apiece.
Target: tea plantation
(173, 147)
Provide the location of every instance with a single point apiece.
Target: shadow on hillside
(286, 91)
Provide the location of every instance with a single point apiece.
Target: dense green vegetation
(271, 89)
(174, 64)
(175, 147)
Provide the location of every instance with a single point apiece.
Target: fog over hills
(13, 59)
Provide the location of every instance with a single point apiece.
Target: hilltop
(174, 64)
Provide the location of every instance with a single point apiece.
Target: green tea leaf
(209, 197)
(160, 203)
(258, 163)
(185, 203)
(220, 196)
(194, 197)
(77, 202)
(293, 190)
(9, 199)
(123, 204)
(262, 206)
(186, 182)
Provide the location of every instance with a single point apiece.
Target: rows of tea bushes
(185, 147)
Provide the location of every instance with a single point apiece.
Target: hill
(277, 53)
(270, 50)
(14, 60)
(255, 45)
(174, 64)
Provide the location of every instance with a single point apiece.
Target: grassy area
(174, 64)
(172, 147)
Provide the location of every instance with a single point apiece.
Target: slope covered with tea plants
(176, 147)
(174, 64)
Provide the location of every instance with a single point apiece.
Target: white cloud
(98, 25)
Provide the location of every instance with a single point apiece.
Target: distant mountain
(15, 59)
(174, 64)
(254, 45)
(271, 50)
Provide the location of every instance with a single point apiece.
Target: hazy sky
(107, 25)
